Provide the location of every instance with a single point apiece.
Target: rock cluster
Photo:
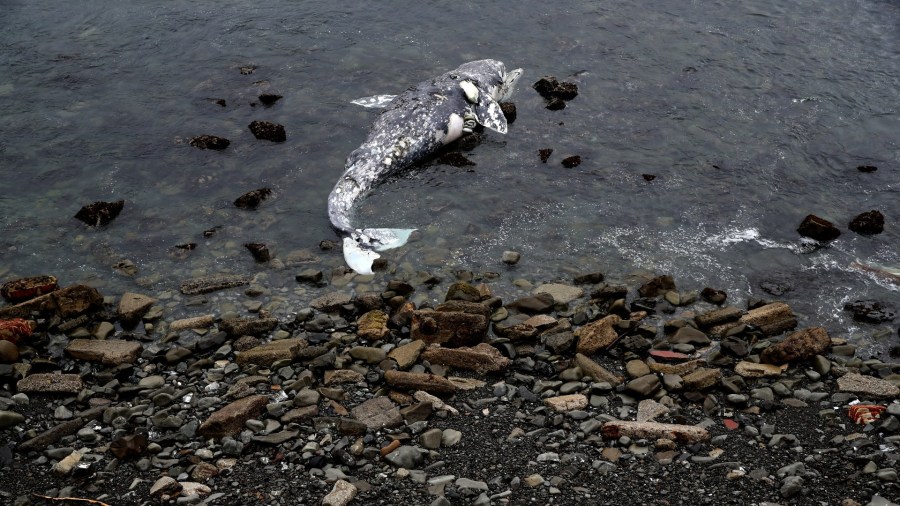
(366, 394)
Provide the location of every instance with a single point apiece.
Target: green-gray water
(750, 115)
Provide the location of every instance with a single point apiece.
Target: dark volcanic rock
(259, 251)
(269, 98)
(545, 86)
(210, 142)
(870, 311)
(572, 161)
(509, 110)
(268, 131)
(868, 223)
(549, 88)
(252, 199)
(100, 213)
(818, 228)
(556, 104)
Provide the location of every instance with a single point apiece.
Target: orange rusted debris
(16, 329)
(865, 413)
(19, 290)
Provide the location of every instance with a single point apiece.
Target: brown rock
(50, 383)
(461, 306)
(702, 378)
(800, 345)
(595, 370)
(408, 354)
(481, 358)
(373, 325)
(247, 326)
(197, 322)
(208, 284)
(419, 381)
(75, 300)
(337, 376)
(597, 335)
(109, 352)
(230, 419)
(718, 317)
(378, 413)
(679, 369)
(132, 307)
(753, 370)
(448, 327)
(818, 228)
(300, 414)
(772, 319)
(331, 302)
(9, 352)
(269, 353)
(637, 430)
(563, 403)
(656, 286)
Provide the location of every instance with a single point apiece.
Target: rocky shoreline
(585, 391)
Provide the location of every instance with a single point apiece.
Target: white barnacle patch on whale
(454, 128)
(470, 90)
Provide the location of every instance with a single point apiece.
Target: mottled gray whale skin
(413, 126)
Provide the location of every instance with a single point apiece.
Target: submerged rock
(571, 162)
(818, 228)
(210, 142)
(268, 99)
(100, 213)
(252, 199)
(268, 131)
(871, 311)
(868, 223)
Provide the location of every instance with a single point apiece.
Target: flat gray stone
(107, 352)
(867, 385)
(378, 413)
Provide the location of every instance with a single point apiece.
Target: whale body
(413, 126)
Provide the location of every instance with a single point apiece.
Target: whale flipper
(358, 258)
(360, 248)
(489, 114)
(375, 101)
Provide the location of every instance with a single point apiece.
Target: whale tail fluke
(361, 246)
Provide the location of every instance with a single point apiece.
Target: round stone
(9, 352)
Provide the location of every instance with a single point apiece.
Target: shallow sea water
(750, 115)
